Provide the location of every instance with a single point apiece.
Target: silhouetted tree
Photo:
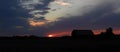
(109, 31)
(108, 34)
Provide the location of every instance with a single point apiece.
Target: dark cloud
(11, 17)
(39, 19)
(14, 18)
(34, 8)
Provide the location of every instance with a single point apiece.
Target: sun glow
(59, 34)
(50, 36)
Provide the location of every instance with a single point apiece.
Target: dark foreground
(58, 44)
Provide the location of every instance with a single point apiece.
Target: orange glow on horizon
(33, 23)
(99, 31)
(68, 33)
(96, 32)
(116, 32)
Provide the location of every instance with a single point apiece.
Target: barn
(82, 33)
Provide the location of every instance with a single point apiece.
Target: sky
(57, 17)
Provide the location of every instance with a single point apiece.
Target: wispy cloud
(62, 2)
(36, 8)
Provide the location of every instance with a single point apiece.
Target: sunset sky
(57, 17)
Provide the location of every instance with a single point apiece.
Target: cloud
(37, 22)
(62, 3)
(36, 8)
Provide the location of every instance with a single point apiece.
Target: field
(57, 44)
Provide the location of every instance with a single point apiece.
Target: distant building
(82, 33)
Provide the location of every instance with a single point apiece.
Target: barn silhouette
(82, 34)
(89, 34)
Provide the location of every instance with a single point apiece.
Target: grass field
(55, 44)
